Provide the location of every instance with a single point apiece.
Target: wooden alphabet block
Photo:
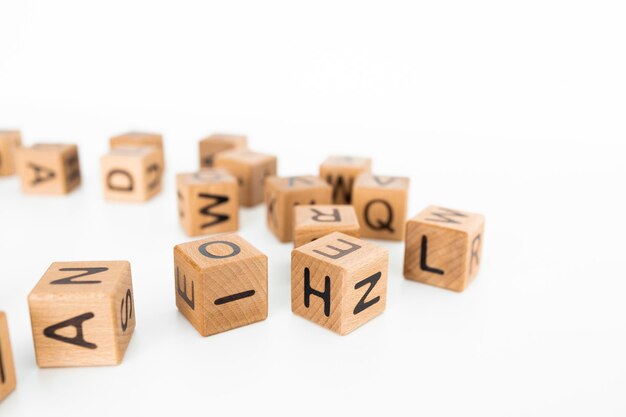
(82, 314)
(7, 366)
(219, 142)
(314, 222)
(282, 194)
(131, 174)
(208, 202)
(341, 172)
(251, 169)
(10, 140)
(444, 247)
(48, 168)
(381, 204)
(221, 283)
(140, 140)
(339, 282)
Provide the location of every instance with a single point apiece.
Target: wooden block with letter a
(7, 366)
(48, 168)
(216, 143)
(140, 140)
(131, 174)
(341, 172)
(444, 247)
(251, 169)
(10, 140)
(313, 222)
(82, 314)
(220, 283)
(339, 282)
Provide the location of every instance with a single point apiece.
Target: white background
(510, 109)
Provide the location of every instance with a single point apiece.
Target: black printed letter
(325, 217)
(203, 249)
(308, 291)
(206, 210)
(77, 322)
(380, 224)
(423, 258)
(182, 293)
(70, 280)
(340, 252)
(362, 304)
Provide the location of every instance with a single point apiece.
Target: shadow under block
(10, 140)
(444, 247)
(341, 172)
(131, 174)
(381, 204)
(216, 143)
(82, 314)
(314, 222)
(7, 366)
(48, 168)
(139, 140)
(251, 169)
(282, 194)
(339, 282)
(208, 202)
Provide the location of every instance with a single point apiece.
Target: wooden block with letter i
(82, 314)
(7, 366)
(341, 172)
(131, 174)
(48, 168)
(10, 140)
(140, 140)
(216, 143)
(313, 222)
(251, 169)
(444, 247)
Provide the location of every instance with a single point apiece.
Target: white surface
(511, 109)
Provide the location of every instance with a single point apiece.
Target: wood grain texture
(132, 174)
(314, 222)
(10, 140)
(140, 140)
(48, 168)
(8, 379)
(251, 169)
(341, 172)
(210, 146)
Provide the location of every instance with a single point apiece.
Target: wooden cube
(48, 168)
(208, 202)
(339, 282)
(219, 142)
(282, 194)
(10, 140)
(82, 314)
(7, 366)
(444, 247)
(140, 140)
(221, 283)
(251, 169)
(341, 172)
(314, 222)
(381, 204)
(131, 174)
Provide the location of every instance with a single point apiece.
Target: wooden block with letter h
(140, 140)
(251, 169)
(82, 314)
(313, 222)
(216, 143)
(444, 247)
(7, 366)
(10, 140)
(131, 174)
(49, 168)
(339, 282)
(341, 172)
(220, 283)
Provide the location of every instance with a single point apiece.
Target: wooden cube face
(283, 194)
(341, 172)
(219, 142)
(381, 204)
(131, 174)
(140, 140)
(82, 314)
(251, 169)
(10, 140)
(7, 366)
(220, 283)
(48, 168)
(339, 282)
(208, 202)
(444, 247)
(314, 222)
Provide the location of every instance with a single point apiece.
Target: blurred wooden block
(219, 142)
(7, 366)
(282, 194)
(314, 222)
(251, 169)
(381, 204)
(48, 168)
(339, 282)
(341, 172)
(10, 140)
(444, 247)
(140, 140)
(82, 314)
(208, 202)
(221, 283)
(131, 174)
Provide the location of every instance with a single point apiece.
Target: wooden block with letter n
(341, 172)
(251, 169)
(282, 194)
(48, 168)
(7, 366)
(140, 140)
(220, 283)
(10, 140)
(339, 282)
(82, 314)
(216, 143)
(131, 174)
(313, 222)
(444, 247)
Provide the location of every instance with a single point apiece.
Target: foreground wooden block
(381, 204)
(140, 140)
(251, 169)
(219, 142)
(341, 172)
(131, 174)
(221, 283)
(208, 202)
(82, 314)
(282, 194)
(48, 168)
(444, 247)
(339, 282)
(7, 366)
(10, 140)
(314, 222)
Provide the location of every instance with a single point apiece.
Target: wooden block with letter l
(131, 174)
(82, 314)
(140, 140)
(444, 247)
(7, 366)
(282, 194)
(220, 283)
(381, 204)
(341, 172)
(208, 202)
(10, 140)
(251, 169)
(216, 143)
(339, 282)
(48, 168)
(313, 222)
